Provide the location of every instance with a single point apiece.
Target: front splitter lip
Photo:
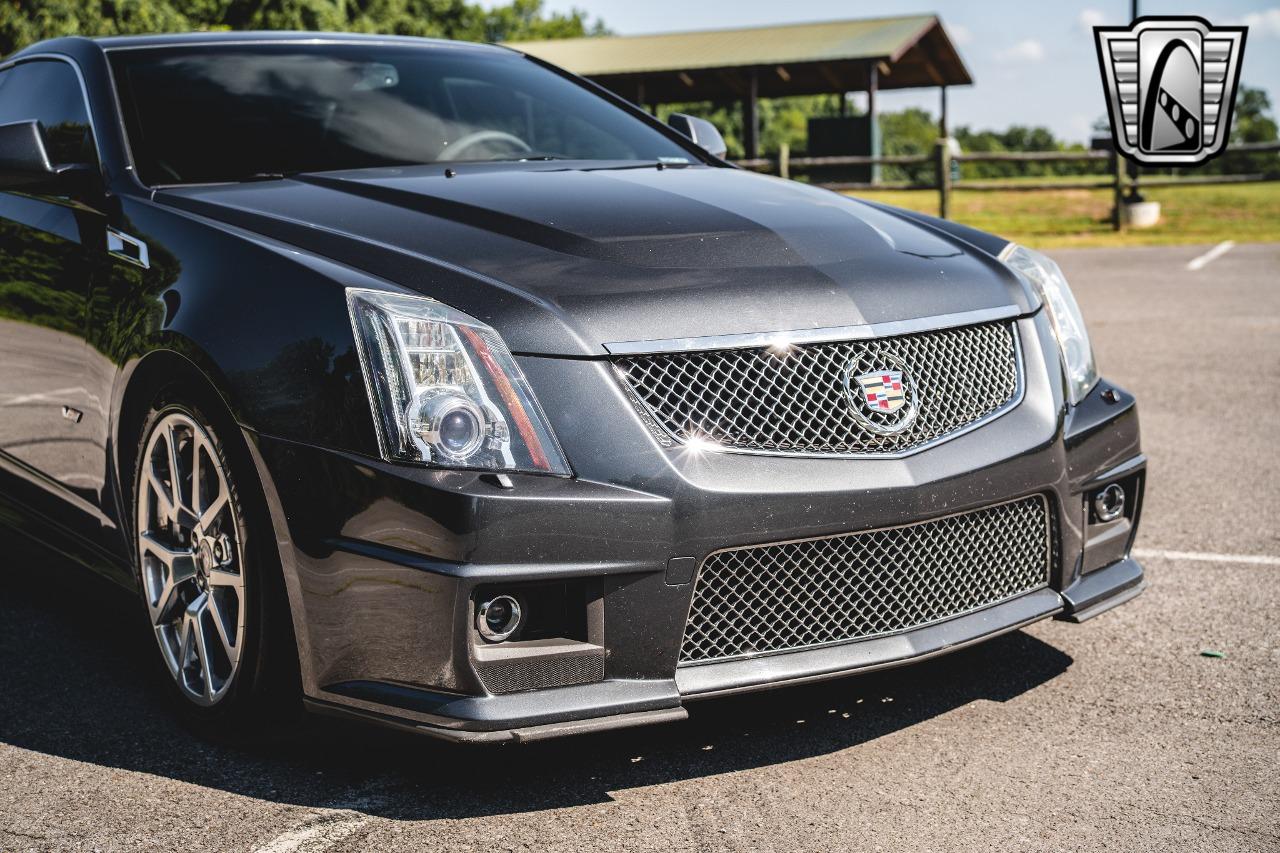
(693, 682)
(515, 734)
(763, 672)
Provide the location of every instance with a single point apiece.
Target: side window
(49, 92)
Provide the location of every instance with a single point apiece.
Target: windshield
(203, 114)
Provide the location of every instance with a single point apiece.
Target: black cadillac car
(437, 387)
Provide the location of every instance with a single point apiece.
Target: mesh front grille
(796, 402)
(771, 598)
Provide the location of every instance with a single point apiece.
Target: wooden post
(873, 121)
(1135, 194)
(944, 128)
(943, 163)
(751, 118)
(1117, 190)
(784, 160)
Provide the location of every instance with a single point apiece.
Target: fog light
(1108, 504)
(498, 619)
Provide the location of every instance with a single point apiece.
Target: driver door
(51, 247)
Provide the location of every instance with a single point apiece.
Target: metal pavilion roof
(792, 59)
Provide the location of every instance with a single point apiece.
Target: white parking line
(45, 396)
(1210, 256)
(1207, 557)
(321, 829)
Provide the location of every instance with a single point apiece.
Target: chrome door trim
(118, 240)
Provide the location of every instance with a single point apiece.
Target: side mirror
(701, 131)
(24, 160)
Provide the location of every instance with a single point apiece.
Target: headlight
(445, 389)
(1064, 316)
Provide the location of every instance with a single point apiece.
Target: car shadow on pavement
(75, 683)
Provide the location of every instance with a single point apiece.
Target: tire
(210, 583)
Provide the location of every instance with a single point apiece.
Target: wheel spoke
(186, 642)
(179, 566)
(215, 506)
(171, 557)
(196, 611)
(226, 633)
(174, 474)
(166, 510)
(195, 474)
(224, 578)
(164, 603)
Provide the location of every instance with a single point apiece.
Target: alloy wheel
(192, 558)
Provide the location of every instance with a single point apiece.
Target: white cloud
(960, 34)
(1090, 18)
(1027, 50)
(1264, 23)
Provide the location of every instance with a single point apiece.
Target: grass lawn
(1055, 218)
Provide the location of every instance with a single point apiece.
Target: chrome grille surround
(791, 400)
(786, 596)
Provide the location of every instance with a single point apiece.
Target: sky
(1033, 62)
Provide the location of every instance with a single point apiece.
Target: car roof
(110, 43)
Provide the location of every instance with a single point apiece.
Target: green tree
(912, 131)
(524, 20)
(25, 21)
(1252, 122)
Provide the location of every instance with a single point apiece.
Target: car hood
(565, 259)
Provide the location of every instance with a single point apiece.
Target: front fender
(267, 325)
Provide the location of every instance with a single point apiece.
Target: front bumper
(384, 563)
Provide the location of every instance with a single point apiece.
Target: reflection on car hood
(564, 258)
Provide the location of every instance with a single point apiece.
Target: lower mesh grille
(519, 674)
(793, 595)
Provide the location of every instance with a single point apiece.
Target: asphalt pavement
(1118, 734)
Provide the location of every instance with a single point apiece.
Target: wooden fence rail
(941, 159)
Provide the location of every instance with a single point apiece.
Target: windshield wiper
(247, 179)
(526, 157)
(638, 164)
